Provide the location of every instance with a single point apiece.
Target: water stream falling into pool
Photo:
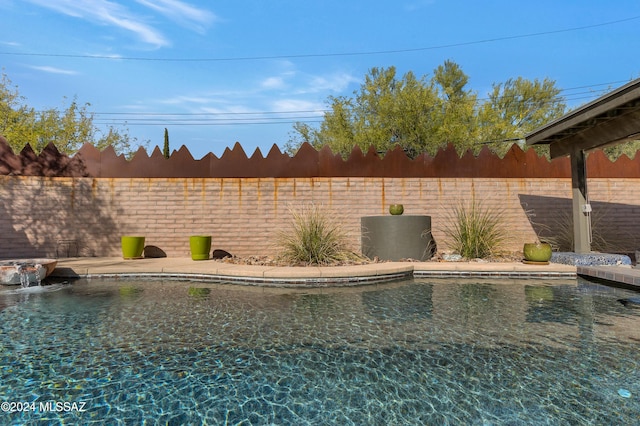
(24, 269)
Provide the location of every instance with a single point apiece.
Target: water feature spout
(24, 276)
(26, 273)
(29, 273)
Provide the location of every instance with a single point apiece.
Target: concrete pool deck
(309, 276)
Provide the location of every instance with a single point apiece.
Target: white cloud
(146, 33)
(111, 13)
(262, 98)
(273, 83)
(336, 82)
(301, 84)
(284, 105)
(230, 109)
(54, 70)
(106, 12)
(181, 12)
(182, 100)
(106, 55)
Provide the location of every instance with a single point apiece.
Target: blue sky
(214, 73)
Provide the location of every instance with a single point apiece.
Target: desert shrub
(475, 231)
(314, 239)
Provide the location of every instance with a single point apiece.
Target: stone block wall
(56, 205)
(40, 216)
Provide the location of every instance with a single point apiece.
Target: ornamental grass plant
(314, 239)
(475, 231)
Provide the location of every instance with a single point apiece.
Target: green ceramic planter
(200, 246)
(537, 252)
(132, 246)
(396, 209)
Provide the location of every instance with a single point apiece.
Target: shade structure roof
(611, 119)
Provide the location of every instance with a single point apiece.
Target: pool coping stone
(310, 276)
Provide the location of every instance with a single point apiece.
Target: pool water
(422, 351)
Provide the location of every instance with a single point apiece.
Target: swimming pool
(422, 351)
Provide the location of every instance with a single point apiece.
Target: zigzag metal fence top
(308, 162)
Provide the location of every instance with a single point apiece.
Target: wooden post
(581, 208)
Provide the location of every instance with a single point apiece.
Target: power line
(165, 119)
(570, 96)
(198, 123)
(322, 55)
(310, 116)
(215, 113)
(154, 118)
(212, 119)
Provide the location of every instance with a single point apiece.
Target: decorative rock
(452, 257)
(590, 259)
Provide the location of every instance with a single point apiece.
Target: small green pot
(132, 247)
(396, 209)
(200, 246)
(537, 252)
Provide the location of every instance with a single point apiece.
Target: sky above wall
(216, 73)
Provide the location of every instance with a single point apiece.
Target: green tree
(17, 121)
(385, 112)
(630, 149)
(456, 118)
(424, 115)
(517, 107)
(165, 150)
(301, 133)
(68, 128)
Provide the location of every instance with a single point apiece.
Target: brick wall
(39, 215)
